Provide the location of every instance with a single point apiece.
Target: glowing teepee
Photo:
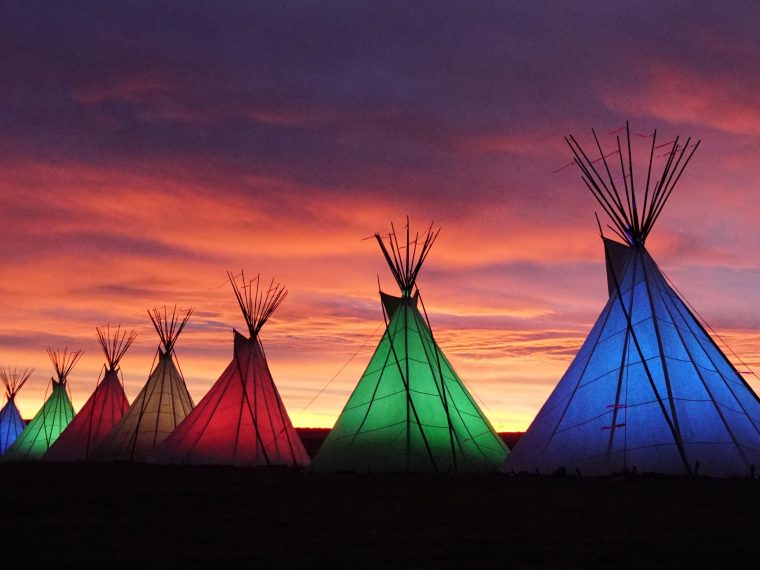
(53, 417)
(649, 390)
(242, 419)
(160, 406)
(11, 424)
(103, 409)
(410, 411)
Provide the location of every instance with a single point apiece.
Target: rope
(342, 368)
(707, 325)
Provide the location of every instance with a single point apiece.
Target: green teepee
(410, 410)
(53, 417)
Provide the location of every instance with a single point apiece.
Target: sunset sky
(145, 151)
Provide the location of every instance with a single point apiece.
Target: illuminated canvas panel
(158, 409)
(11, 425)
(97, 418)
(241, 420)
(410, 411)
(649, 391)
(45, 427)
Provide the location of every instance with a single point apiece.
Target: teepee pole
(614, 191)
(660, 186)
(144, 404)
(280, 407)
(699, 320)
(104, 371)
(649, 175)
(634, 209)
(673, 185)
(253, 411)
(410, 402)
(706, 387)
(267, 408)
(661, 349)
(623, 372)
(674, 432)
(407, 386)
(442, 391)
(387, 335)
(242, 407)
(709, 338)
(164, 372)
(613, 211)
(625, 184)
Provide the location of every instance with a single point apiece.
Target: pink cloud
(127, 87)
(724, 100)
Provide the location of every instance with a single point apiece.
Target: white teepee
(160, 406)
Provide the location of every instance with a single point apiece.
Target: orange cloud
(511, 295)
(722, 100)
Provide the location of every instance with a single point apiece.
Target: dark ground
(121, 515)
(312, 438)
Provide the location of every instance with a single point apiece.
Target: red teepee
(103, 409)
(242, 420)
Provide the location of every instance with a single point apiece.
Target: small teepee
(53, 417)
(649, 390)
(160, 406)
(103, 409)
(410, 411)
(241, 420)
(11, 424)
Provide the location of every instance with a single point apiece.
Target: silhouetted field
(122, 515)
(313, 438)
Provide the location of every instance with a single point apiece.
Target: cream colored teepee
(160, 406)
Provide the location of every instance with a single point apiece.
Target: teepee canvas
(410, 411)
(53, 417)
(649, 390)
(160, 406)
(242, 419)
(103, 409)
(11, 424)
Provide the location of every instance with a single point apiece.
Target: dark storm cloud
(328, 93)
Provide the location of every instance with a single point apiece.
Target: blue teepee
(11, 424)
(649, 390)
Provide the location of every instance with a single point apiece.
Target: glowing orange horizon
(510, 297)
(509, 335)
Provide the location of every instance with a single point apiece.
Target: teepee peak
(14, 379)
(257, 300)
(632, 218)
(405, 257)
(63, 362)
(169, 326)
(115, 343)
